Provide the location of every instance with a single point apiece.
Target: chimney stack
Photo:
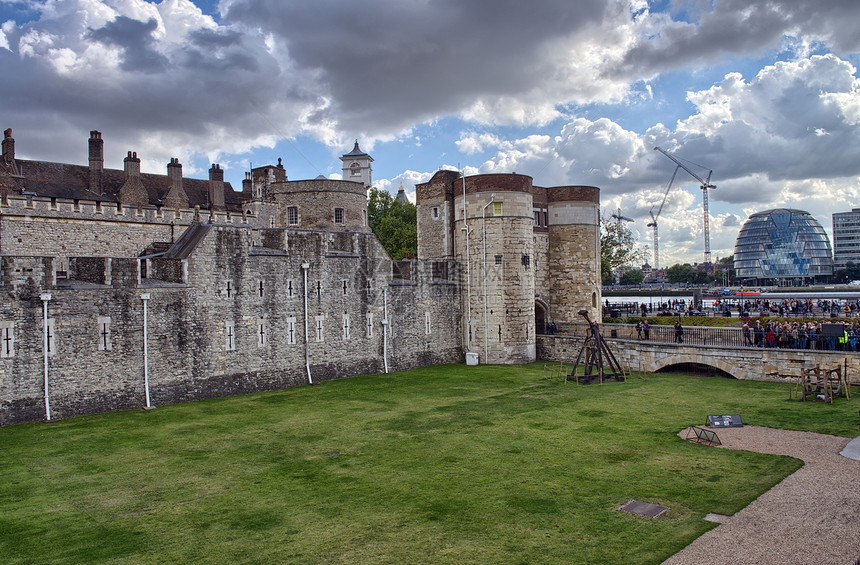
(8, 146)
(247, 185)
(133, 194)
(216, 188)
(97, 160)
(176, 197)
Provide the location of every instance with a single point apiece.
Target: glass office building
(782, 244)
(846, 238)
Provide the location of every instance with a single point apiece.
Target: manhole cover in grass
(332, 454)
(644, 508)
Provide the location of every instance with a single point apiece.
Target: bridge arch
(687, 359)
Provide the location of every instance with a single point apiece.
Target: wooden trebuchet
(600, 362)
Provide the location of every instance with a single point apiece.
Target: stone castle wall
(235, 326)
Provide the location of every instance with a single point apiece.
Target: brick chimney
(97, 161)
(133, 194)
(247, 185)
(176, 197)
(8, 146)
(216, 188)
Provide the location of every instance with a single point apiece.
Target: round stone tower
(574, 252)
(496, 254)
(324, 204)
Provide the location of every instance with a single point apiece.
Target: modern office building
(781, 245)
(846, 238)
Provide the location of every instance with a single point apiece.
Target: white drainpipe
(486, 319)
(145, 297)
(305, 267)
(45, 298)
(465, 228)
(385, 328)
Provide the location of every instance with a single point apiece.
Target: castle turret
(176, 197)
(574, 252)
(97, 161)
(356, 166)
(500, 287)
(133, 194)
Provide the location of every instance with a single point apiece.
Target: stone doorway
(540, 318)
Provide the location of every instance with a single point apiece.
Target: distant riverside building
(846, 238)
(782, 244)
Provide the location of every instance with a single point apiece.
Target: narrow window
(293, 215)
(545, 222)
(228, 291)
(526, 260)
(53, 203)
(537, 217)
(262, 332)
(52, 345)
(370, 324)
(338, 215)
(98, 207)
(435, 212)
(497, 208)
(364, 217)
(344, 287)
(291, 330)
(260, 289)
(427, 323)
(498, 259)
(104, 334)
(7, 339)
(230, 336)
(319, 321)
(319, 289)
(289, 288)
(346, 327)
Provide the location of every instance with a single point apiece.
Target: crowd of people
(800, 335)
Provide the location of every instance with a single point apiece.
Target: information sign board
(725, 421)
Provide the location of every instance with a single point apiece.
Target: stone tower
(496, 251)
(573, 255)
(356, 166)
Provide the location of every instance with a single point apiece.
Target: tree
(617, 249)
(394, 223)
(631, 277)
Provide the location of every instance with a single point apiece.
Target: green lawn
(448, 464)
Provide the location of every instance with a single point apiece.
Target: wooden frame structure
(821, 384)
(596, 356)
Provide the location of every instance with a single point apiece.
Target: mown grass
(448, 464)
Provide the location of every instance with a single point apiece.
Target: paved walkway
(812, 517)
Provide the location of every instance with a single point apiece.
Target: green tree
(617, 249)
(394, 223)
(631, 277)
(678, 273)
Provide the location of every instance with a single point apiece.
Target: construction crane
(706, 184)
(619, 218)
(653, 222)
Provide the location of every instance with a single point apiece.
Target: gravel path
(813, 516)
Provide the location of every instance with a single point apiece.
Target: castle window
(370, 324)
(355, 170)
(53, 203)
(545, 221)
(230, 336)
(7, 339)
(537, 218)
(51, 341)
(293, 215)
(260, 289)
(262, 332)
(427, 323)
(498, 259)
(346, 327)
(338, 215)
(319, 329)
(290, 288)
(344, 284)
(364, 217)
(526, 260)
(104, 334)
(228, 291)
(291, 331)
(435, 212)
(497, 208)
(98, 207)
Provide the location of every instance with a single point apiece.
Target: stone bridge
(751, 363)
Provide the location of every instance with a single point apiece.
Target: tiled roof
(60, 180)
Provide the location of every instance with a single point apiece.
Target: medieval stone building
(123, 289)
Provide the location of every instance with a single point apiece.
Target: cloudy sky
(764, 94)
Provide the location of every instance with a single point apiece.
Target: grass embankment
(449, 464)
